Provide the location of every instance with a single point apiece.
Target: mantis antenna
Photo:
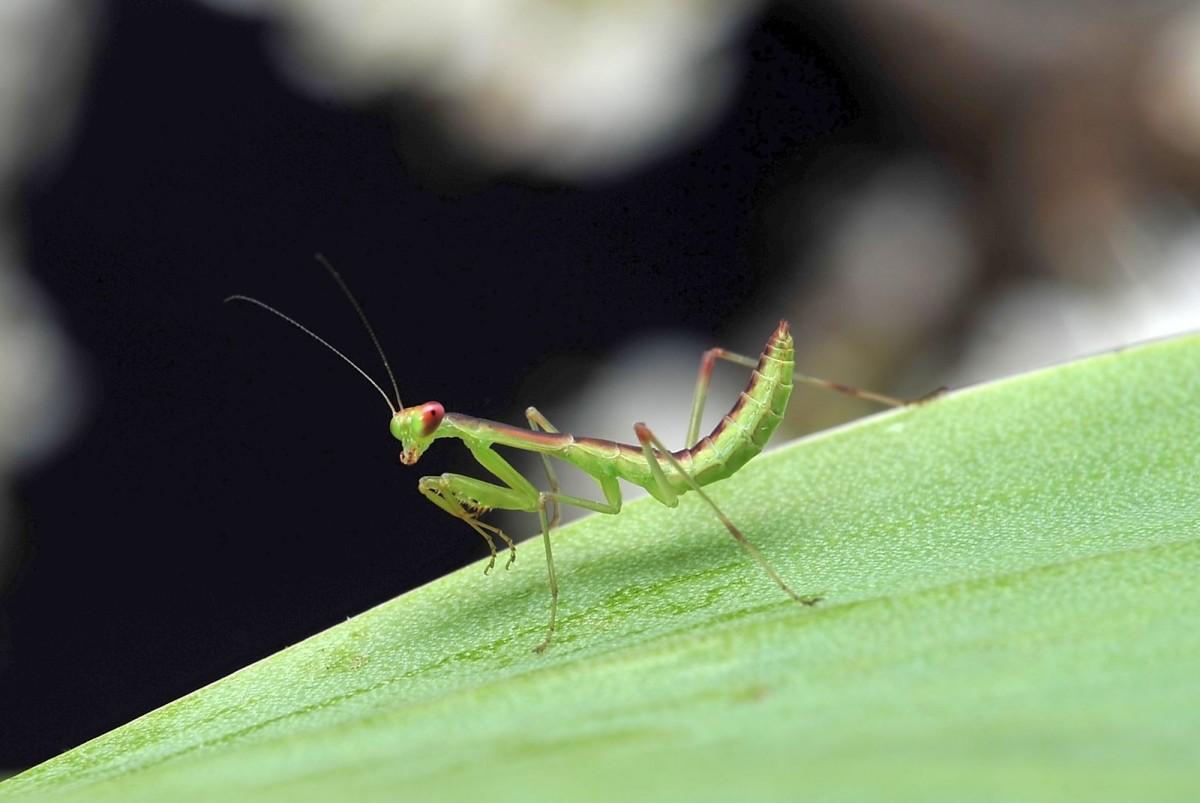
(326, 344)
(362, 316)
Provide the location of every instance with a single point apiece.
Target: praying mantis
(665, 474)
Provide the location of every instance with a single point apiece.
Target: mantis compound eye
(431, 417)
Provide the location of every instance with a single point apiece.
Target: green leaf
(1011, 611)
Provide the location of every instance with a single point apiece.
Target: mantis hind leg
(709, 361)
(653, 449)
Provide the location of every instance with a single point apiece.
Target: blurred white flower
(571, 89)
(1043, 322)
(42, 48)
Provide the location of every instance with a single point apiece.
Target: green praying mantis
(665, 474)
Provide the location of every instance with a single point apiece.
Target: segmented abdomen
(745, 429)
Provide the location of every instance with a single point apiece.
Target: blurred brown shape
(1056, 162)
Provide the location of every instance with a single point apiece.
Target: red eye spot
(431, 416)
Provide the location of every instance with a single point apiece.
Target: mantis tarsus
(740, 435)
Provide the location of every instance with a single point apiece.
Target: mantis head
(415, 428)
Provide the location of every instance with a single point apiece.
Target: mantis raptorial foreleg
(461, 497)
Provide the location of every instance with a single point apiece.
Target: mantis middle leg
(611, 505)
(467, 498)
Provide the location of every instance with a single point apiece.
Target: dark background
(233, 489)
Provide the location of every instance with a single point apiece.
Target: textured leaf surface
(1011, 608)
